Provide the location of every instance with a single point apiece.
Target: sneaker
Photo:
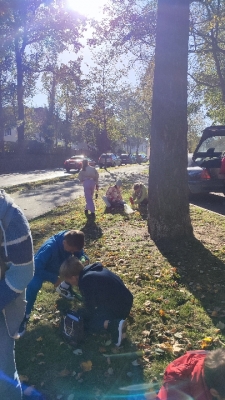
(67, 293)
(118, 328)
(23, 327)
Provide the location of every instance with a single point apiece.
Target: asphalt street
(39, 201)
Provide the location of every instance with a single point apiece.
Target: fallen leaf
(102, 349)
(108, 342)
(64, 372)
(39, 339)
(220, 325)
(78, 352)
(70, 397)
(110, 371)
(206, 342)
(86, 366)
(135, 363)
(178, 349)
(29, 391)
(162, 313)
(23, 378)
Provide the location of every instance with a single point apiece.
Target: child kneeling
(107, 301)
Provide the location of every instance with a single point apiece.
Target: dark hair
(84, 164)
(137, 186)
(75, 239)
(214, 370)
(70, 267)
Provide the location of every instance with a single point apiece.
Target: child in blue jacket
(48, 260)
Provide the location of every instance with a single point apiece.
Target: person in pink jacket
(197, 375)
(113, 197)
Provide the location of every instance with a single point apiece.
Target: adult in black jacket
(107, 301)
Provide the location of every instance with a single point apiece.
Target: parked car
(108, 160)
(204, 166)
(126, 159)
(140, 158)
(75, 162)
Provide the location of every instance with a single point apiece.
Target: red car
(75, 162)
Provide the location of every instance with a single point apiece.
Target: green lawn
(179, 300)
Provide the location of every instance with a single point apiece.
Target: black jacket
(101, 287)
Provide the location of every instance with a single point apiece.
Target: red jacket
(185, 376)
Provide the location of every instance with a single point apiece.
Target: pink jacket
(185, 376)
(113, 194)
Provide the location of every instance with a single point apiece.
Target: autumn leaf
(206, 342)
(86, 366)
(23, 378)
(64, 372)
(162, 313)
(39, 339)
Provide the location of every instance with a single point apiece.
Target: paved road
(19, 178)
(38, 201)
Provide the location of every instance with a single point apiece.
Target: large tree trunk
(20, 94)
(168, 190)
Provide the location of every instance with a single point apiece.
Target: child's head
(73, 241)
(214, 372)
(84, 164)
(70, 270)
(118, 183)
(137, 186)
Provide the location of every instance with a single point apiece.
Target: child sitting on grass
(107, 301)
(140, 194)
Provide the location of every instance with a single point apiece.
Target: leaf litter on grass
(179, 303)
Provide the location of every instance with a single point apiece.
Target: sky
(89, 8)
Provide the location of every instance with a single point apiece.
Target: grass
(179, 304)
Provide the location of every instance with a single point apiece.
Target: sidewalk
(41, 200)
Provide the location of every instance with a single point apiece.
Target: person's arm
(41, 263)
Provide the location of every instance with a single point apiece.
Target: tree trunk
(168, 190)
(2, 147)
(20, 93)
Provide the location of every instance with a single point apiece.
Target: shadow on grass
(91, 230)
(201, 272)
(50, 364)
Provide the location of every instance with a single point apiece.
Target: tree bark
(168, 189)
(20, 94)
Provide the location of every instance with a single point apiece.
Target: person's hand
(57, 283)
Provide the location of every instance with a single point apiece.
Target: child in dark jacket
(47, 264)
(107, 301)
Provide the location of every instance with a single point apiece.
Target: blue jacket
(102, 288)
(17, 247)
(51, 255)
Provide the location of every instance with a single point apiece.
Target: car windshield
(216, 142)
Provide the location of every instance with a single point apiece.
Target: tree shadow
(201, 272)
(143, 210)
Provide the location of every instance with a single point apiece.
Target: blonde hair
(70, 267)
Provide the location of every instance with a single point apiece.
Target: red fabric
(185, 377)
(222, 168)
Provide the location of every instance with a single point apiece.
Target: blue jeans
(32, 292)
(10, 388)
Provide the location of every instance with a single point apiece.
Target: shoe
(23, 327)
(67, 293)
(118, 328)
